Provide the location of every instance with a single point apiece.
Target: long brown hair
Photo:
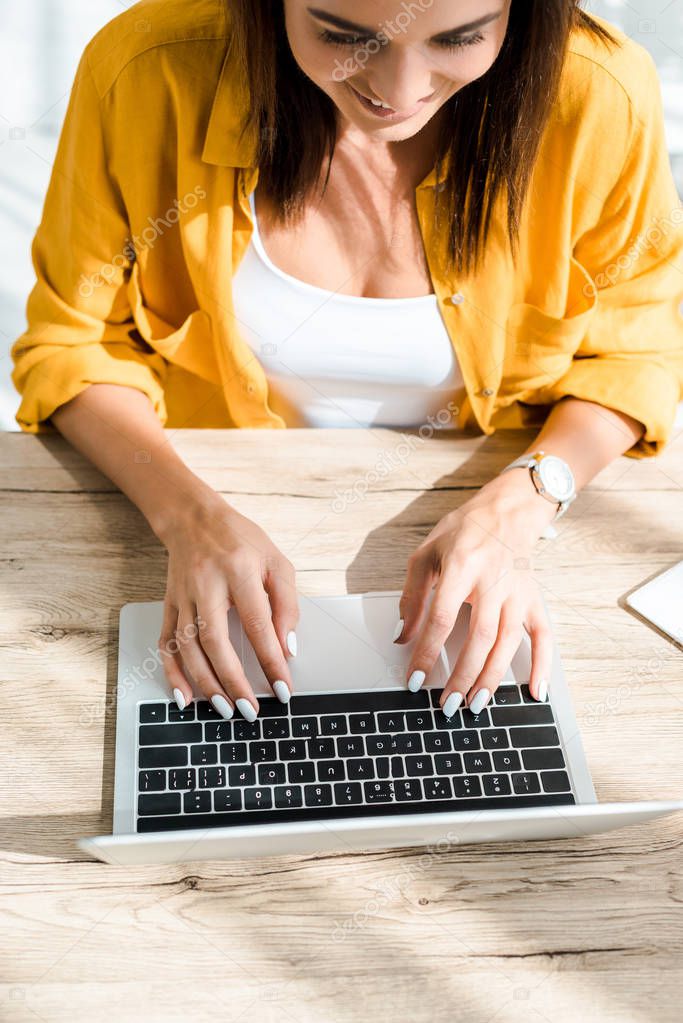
(491, 128)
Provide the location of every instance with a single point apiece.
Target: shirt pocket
(540, 347)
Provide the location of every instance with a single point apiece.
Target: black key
(547, 759)
(159, 802)
(379, 791)
(540, 735)
(480, 720)
(262, 751)
(218, 731)
(152, 713)
(276, 728)
(465, 740)
(204, 754)
(382, 767)
(447, 724)
(182, 778)
(397, 768)
(288, 795)
(331, 770)
(506, 695)
(304, 728)
(390, 722)
(408, 790)
(555, 781)
(437, 742)
(507, 760)
(292, 749)
(164, 735)
(477, 763)
(333, 724)
(301, 772)
(524, 714)
(361, 724)
(524, 783)
(362, 767)
(244, 730)
(270, 707)
(494, 738)
(211, 777)
(448, 763)
(407, 743)
(227, 799)
(151, 781)
(434, 697)
(318, 795)
(351, 746)
(206, 711)
(359, 702)
(349, 792)
(437, 788)
(197, 802)
(258, 799)
(234, 753)
(163, 756)
(238, 777)
(176, 714)
(378, 745)
(272, 774)
(419, 721)
(526, 694)
(496, 785)
(417, 767)
(468, 785)
(321, 749)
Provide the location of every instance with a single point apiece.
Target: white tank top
(336, 360)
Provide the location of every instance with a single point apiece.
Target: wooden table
(583, 930)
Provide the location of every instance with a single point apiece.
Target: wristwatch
(551, 476)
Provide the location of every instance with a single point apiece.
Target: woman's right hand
(217, 559)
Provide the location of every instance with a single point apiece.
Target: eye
(456, 43)
(340, 39)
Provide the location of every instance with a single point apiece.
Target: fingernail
(246, 709)
(222, 706)
(416, 680)
(542, 691)
(291, 642)
(398, 630)
(479, 701)
(451, 705)
(179, 698)
(281, 690)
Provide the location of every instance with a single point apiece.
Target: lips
(385, 113)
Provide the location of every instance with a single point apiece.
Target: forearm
(117, 429)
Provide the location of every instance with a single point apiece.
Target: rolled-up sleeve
(631, 357)
(80, 328)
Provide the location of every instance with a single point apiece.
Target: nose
(403, 78)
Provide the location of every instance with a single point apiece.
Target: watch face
(556, 477)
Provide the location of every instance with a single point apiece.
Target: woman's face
(410, 56)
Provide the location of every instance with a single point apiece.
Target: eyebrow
(352, 26)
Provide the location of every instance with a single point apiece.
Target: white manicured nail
(416, 680)
(542, 690)
(222, 706)
(479, 701)
(179, 699)
(398, 630)
(291, 642)
(451, 705)
(281, 690)
(246, 709)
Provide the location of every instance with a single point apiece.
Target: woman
(269, 214)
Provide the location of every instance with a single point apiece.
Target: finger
(416, 589)
(214, 639)
(538, 626)
(449, 594)
(253, 607)
(198, 665)
(281, 589)
(498, 661)
(170, 659)
(481, 636)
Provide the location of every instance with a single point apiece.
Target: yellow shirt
(149, 163)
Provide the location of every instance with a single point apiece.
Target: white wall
(40, 43)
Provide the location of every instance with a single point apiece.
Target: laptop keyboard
(340, 755)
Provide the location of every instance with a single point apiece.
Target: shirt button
(457, 298)
(487, 392)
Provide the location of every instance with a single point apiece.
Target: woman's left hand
(480, 554)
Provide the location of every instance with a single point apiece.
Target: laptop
(354, 762)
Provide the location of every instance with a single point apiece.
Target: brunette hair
(491, 128)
